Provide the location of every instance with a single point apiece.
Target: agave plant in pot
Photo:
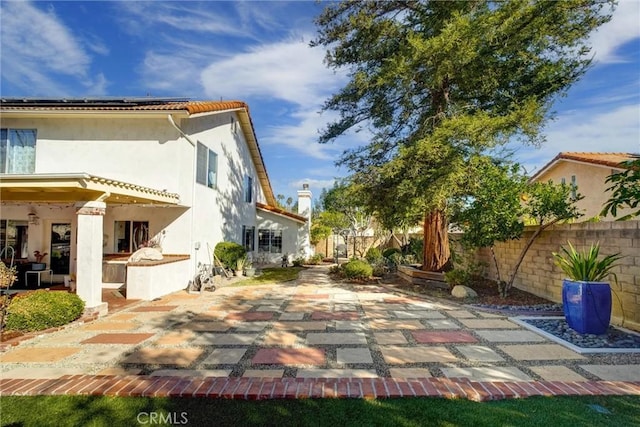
(586, 297)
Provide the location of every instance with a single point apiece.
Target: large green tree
(439, 83)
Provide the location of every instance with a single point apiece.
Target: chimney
(304, 209)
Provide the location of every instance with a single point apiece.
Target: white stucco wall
(150, 152)
(289, 228)
(590, 180)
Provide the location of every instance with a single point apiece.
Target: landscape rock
(463, 292)
(151, 254)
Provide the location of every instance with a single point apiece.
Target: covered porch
(63, 215)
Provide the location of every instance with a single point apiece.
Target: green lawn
(271, 275)
(119, 411)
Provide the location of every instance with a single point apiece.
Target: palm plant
(585, 266)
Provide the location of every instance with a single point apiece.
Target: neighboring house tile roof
(612, 160)
(148, 105)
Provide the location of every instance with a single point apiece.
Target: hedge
(43, 309)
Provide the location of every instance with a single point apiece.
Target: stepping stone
(557, 373)
(487, 374)
(395, 337)
(488, 324)
(148, 308)
(205, 326)
(250, 316)
(461, 314)
(614, 372)
(403, 373)
(164, 356)
(301, 326)
(117, 370)
(38, 354)
(443, 324)
(353, 355)
(281, 338)
(349, 325)
(249, 326)
(419, 315)
(41, 373)
(340, 315)
(191, 373)
(289, 356)
(539, 352)
(117, 339)
(336, 373)
(110, 326)
(395, 324)
(402, 355)
(101, 354)
(175, 338)
(224, 356)
(479, 353)
(510, 336)
(291, 316)
(427, 337)
(124, 317)
(263, 373)
(225, 339)
(335, 338)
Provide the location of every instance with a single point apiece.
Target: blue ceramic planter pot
(587, 306)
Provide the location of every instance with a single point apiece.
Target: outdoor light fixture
(33, 218)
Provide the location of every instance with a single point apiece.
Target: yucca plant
(584, 266)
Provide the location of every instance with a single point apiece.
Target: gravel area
(614, 338)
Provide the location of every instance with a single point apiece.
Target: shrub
(373, 255)
(357, 269)
(228, 253)
(387, 253)
(298, 262)
(43, 309)
(457, 277)
(315, 259)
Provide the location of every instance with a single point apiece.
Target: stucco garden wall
(540, 276)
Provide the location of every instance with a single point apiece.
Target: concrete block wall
(540, 276)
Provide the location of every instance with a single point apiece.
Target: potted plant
(39, 265)
(586, 298)
(249, 271)
(240, 263)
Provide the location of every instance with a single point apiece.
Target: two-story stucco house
(92, 180)
(587, 173)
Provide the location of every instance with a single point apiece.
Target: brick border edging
(300, 388)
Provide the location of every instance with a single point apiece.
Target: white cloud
(288, 70)
(37, 49)
(615, 131)
(622, 28)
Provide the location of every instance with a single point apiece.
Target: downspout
(192, 248)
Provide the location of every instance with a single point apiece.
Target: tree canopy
(439, 84)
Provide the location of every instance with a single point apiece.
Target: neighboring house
(93, 180)
(587, 173)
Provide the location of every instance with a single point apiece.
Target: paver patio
(313, 337)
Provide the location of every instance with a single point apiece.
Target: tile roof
(606, 159)
(612, 160)
(281, 212)
(123, 104)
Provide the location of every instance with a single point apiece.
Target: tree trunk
(436, 241)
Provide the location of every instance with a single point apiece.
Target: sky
(258, 52)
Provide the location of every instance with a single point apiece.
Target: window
(207, 166)
(574, 188)
(270, 241)
(248, 237)
(17, 151)
(60, 248)
(248, 189)
(130, 235)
